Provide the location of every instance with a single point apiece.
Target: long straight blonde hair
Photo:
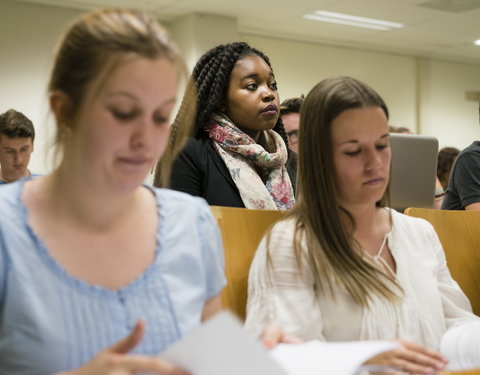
(332, 252)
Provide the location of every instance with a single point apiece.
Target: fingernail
(268, 344)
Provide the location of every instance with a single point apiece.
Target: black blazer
(199, 170)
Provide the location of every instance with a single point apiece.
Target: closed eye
(381, 147)
(160, 120)
(124, 116)
(353, 153)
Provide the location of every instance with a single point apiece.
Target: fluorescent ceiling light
(346, 19)
(477, 42)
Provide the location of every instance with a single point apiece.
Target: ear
(61, 106)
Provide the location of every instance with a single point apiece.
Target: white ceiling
(443, 29)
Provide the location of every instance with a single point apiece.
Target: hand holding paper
(221, 346)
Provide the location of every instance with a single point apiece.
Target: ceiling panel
(429, 31)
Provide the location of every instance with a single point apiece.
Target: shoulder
(195, 145)
(284, 227)
(196, 153)
(471, 152)
(173, 200)
(10, 195)
(279, 239)
(410, 227)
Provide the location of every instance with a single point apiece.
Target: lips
(270, 108)
(374, 181)
(135, 160)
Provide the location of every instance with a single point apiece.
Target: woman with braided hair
(238, 155)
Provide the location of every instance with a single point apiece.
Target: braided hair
(212, 77)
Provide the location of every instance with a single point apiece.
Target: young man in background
(16, 144)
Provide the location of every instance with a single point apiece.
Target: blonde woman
(98, 272)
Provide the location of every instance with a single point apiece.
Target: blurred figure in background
(446, 158)
(290, 114)
(16, 144)
(463, 190)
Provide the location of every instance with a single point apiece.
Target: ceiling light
(346, 19)
(477, 42)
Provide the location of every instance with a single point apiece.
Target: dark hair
(446, 158)
(331, 248)
(15, 124)
(399, 129)
(291, 105)
(211, 77)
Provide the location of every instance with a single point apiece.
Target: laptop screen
(413, 170)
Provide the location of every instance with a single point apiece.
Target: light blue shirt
(50, 321)
(2, 182)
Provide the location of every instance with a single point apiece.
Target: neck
(70, 196)
(367, 219)
(12, 178)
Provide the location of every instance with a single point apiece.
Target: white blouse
(432, 302)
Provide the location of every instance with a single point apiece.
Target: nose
(268, 94)
(374, 161)
(18, 158)
(141, 134)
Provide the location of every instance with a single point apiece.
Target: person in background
(290, 114)
(341, 266)
(399, 129)
(439, 191)
(16, 144)
(463, 189)
(446, 159)
(238, 155)
(98, 272)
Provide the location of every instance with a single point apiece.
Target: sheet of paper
(333, 358)
(461, 345)
(221, 346)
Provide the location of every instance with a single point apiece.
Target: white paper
(222, 347)
(461, 346)
(332, 358)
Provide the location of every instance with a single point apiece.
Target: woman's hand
(115, 360)
(273, 335)
(411, 359)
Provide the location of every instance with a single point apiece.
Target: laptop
(413, 171)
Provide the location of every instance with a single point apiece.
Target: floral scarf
(260, 176)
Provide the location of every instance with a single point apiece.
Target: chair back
(459, 233)
(242, 229)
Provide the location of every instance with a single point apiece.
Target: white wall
(423, 94)
(299, 66)
(444, 111)
(28, 36)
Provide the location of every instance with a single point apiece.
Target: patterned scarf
(260, 176)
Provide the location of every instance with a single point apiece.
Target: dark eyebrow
(255, 75)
